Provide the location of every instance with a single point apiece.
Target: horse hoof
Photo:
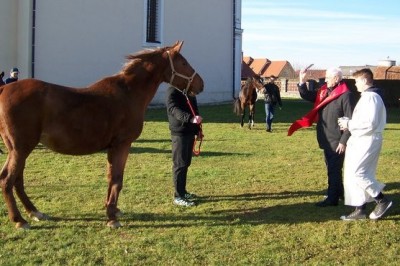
(21, 225)
(38, 216)
(114, 224)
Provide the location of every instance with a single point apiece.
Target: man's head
(333, 76)
(364, 79)
(272, 78)
(14, 72)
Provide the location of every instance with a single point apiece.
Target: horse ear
(177, 46)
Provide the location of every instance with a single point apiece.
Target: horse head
(257, 84)
(180, 74)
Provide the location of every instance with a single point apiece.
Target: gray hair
(334, 71)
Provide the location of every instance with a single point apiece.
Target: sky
(326, 33)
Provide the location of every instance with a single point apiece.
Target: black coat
(329, 134)
(272, 94)
(179, 113)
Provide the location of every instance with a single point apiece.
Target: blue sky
(326, 33)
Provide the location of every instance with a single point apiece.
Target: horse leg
(250, 119)
(252, 112)
(26, 202)
(243, 115)
(116, 160)
(9, 176)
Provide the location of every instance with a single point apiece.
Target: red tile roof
(314, 74)
(275, 68)
(260, 65)
(247, 71)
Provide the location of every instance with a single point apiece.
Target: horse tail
(237, 107)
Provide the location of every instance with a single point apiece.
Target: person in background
(13, 75)
(1, 78)
(333, 100)
(366, 127)
(184, 126)
(272, 98)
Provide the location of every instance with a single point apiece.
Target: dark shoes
(381, 207)
(269, 130)
(326, 203)
(358, 214)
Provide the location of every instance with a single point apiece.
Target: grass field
(257, 194)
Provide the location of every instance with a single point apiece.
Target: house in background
(348, 71)
(266, 68)
(387, 72)
(75, 42)
(247, 72)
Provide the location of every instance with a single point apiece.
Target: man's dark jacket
(179, 113)
(329, 134)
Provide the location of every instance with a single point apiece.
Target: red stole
(321, 101)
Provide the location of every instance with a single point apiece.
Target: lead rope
(200, 134)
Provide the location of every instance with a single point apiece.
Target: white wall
(206, 28)
(79, 42)
(8, 39)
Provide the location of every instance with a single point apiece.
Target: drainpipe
(33, 38)
(237, 46)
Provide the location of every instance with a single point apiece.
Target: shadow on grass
(297, 213)
(138, 150)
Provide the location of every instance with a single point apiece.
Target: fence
(391, 89)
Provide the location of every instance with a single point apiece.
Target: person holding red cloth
(332, 101)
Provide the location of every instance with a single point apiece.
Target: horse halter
(174, 73)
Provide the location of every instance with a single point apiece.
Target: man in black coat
(330, 138)
(272, 97)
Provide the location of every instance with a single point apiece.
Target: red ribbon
(321, 101)
(200, 134)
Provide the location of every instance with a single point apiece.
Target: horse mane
(134, 60)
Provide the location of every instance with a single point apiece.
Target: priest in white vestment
(363, 148)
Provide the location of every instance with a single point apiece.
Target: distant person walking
(13, 75)
(366, 127)
(272, 97)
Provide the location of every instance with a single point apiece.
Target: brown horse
(108, 115)
(247, 97)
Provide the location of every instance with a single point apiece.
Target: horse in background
(107, 115)
(247, 97)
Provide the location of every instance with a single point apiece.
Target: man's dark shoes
(381, 207)
(358, 214)
(326, 203)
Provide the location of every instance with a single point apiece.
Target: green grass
(256, 208)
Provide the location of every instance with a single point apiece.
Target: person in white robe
(363, 148)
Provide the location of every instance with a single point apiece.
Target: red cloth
(321, 101)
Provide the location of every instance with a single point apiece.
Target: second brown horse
(247, 97)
